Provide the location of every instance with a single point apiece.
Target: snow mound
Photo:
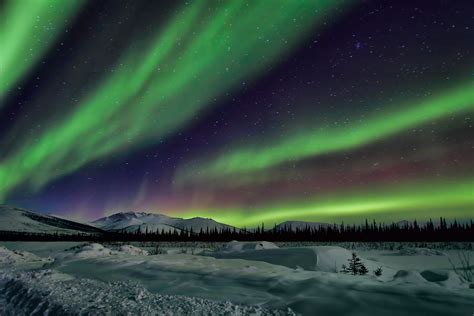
(132, 250)
(47, 292)
(14, 256)
(93, 250)
(237, 246)
(444, 278)
(331, 258)
(408, 276)
(321, 258)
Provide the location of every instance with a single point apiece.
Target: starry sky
(243, 111)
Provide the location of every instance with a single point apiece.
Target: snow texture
(320, 258)
(50, 293)
(237, 246)
(10, 257)
(96, 279)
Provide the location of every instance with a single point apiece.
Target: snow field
(258, 278)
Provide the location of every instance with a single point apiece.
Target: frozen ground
(51, 292)
(232, 279)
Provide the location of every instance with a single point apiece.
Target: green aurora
(157, 90)
(36, 25)
(415, 200)
(170, 76)
(311, 142)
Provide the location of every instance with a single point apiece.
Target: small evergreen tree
(355, 266)
(362, 269)
(344, 269)
(378, 271)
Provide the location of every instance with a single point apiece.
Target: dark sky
(246, 112)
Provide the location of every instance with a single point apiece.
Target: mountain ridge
(15, 219)
(152, 222)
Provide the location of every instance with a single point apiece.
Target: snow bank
(132, 250)
(322, 258)
(93, 250)
(444, 278)
(14, 257)
(331, 258)
(237, 246)
(277, 287)
(47, 292)
(448, 279)
(408, 276)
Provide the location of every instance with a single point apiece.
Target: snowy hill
(15, 219)
(124, 220)
(196, 223)
(301, 225)
(132, 221)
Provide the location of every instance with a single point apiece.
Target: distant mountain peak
(132, 221)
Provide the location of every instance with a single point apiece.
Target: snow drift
(16, 257)
(237, 246)
(94, 250)
(115, 279)
(321, 258)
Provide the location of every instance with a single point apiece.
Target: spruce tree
(363, 269)
(378, 271)
(355, 266)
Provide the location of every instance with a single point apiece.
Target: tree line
(373, 231)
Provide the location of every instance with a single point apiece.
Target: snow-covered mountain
(132, 221)
(301, 225)
(15, 219)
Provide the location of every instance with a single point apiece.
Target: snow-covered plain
(257, 278)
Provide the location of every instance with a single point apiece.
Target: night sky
(243, 111)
